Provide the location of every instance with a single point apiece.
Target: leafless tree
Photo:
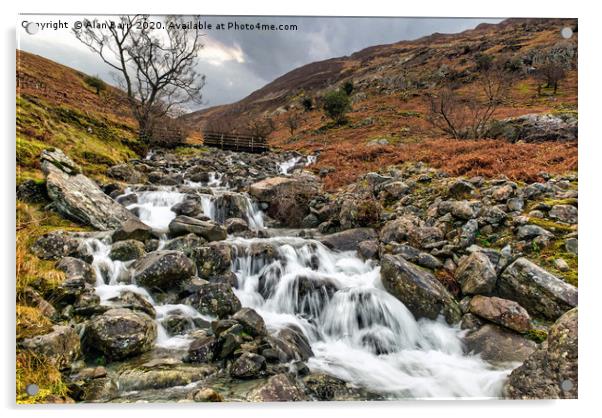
(467, 114)
(293, 121)
(155, 62)
(261, 127)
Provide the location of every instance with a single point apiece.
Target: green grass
(93, 141)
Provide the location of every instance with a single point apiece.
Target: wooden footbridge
(235, 142)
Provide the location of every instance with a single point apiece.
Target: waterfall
(358, 331)
(154, 207)
(115, 277)
(287, 165)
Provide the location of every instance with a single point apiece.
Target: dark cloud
(237, 62)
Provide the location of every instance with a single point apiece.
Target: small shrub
(95, 83)
(348, 87)
(336, 105)
(307, 103)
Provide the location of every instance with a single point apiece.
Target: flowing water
(357, 331)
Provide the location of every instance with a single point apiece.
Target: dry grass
(34, 369)
(489, 158)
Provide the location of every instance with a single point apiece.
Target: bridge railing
(235, 142)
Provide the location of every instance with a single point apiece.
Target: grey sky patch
(238, 62)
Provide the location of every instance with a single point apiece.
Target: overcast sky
(238, 62)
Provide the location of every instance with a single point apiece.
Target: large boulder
(398, 230)
(163, 269)
(278, 388)
(120, 333)
(497, 344)
(539, 292)
(564, 213)
(133, 229)
(287, 197)
(216, 299)
(476, 274)
(501, 311)
(212, 260)
(230, 205)
(127, 250)
(535, 128)
(126, 173)
(76, 196)
(209, 230)
(76, 268)
(418, 289)
(251, 321)
(60, 347)
(348, 240)
(248, 366)
(552, 371)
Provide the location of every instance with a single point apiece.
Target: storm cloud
(237, 62)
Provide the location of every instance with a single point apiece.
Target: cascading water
(113, 279)
(358, 331)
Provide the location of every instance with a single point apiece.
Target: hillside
(390, 83)
(56, 107)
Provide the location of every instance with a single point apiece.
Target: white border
(590, 96)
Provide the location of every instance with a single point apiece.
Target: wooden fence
(235, 142)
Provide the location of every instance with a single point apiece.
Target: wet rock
(60, 347)
(497, 344)
(322, 387)
(74, 267)
(76, 196)
(160, 373)
(99, 390)
(290, 344)
(235, 225)
(564, 213)
(209, 230)
(418, 289)
(205, 395)
(251, 322)
(470, 322)
(162, 269)
(247, 366)
(230, 205)
(212, 260)
(538, 291)
(55, 245)
(185, 244)
(310, 221)
(127, 250)
(278, 388)
(501, 311)
(120, 333)
(188, 207)
(476, 274)
(229, 341)
(134, 302)
(368, 249)
(348, 240)
(126, 173)
(552, 371)
(216, 299)
(202, 350)
(133, 229)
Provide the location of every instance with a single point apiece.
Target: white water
(108, 287)
(286, 166)
(362, 334)
(358, 331)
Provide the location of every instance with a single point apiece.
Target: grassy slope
(56, 108)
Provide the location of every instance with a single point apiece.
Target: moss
(537, 335)
(409, 114)
(553, 202)
(551, 225)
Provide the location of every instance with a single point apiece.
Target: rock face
(418, 289)
(209, 230)
(551, 372)
(60, 347)
(497, 344)
(163, 269)
(536, 290)
(76, 196)
(536, 128)
(348, 240)
(287, 197)
(278, 388)
(476, 274)
(120, 333)
(501, 311)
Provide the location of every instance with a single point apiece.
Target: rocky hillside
(390, 83)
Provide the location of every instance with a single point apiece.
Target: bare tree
(293, 121)
(467, 115)
(154, 60)
(261, 127)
